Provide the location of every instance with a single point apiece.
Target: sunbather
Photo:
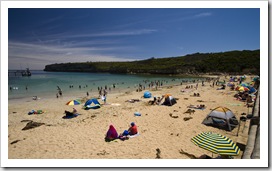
(201, 106)
(132, 100)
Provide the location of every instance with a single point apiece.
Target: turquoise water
(43, 83)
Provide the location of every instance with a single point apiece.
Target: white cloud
(116, 33)
(41, 55)
(204, 14)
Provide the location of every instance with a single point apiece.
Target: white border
(263, 162)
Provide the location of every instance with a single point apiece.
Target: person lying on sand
(221, 88)
(132, 100)
(204, 156)
(201, 106)
(196, 95)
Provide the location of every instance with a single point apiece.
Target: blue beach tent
(92, 104)
(147, 94)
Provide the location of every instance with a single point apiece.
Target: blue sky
(38, 37)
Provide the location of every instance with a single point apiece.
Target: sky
(42, 36)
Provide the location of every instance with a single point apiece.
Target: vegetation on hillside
(232, 62)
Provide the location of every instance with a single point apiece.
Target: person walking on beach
(87, 93)
(105, 92)
(100, 92)
(60, 93)
(104, 98)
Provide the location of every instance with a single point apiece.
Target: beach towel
(132, 136)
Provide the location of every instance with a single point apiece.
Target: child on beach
(104, 98)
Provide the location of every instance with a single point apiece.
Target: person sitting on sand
(232, 87)
(152, 102)
(74, 111)
(133, 129)
(111, 134)
(221, 88)
(158, 102)
(249, 99)
(242, 96)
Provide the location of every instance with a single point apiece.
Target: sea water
(45, 84)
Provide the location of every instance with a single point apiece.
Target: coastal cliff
(232, 62)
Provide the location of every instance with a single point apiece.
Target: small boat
(26, 73)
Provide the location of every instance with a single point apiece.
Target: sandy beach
(83, 137)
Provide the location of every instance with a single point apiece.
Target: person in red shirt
(133, 129)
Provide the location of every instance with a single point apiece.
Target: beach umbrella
(216, 143)
(73, 102)
(243, 89)
(245, 85)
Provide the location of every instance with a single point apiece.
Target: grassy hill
(232, 62)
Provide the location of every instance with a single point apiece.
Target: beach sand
(83, 137)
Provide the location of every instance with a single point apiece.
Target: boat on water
(26, 73)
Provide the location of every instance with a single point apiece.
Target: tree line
(232, 62)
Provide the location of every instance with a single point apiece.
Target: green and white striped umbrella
(216, 143)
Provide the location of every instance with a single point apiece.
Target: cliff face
(235, 62)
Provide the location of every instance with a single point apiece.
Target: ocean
(44, 84)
